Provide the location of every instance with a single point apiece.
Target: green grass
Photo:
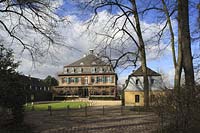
(55, 106)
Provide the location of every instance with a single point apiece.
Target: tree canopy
(50, 81)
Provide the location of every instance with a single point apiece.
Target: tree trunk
(184, 40)
(177, 62)
(142, 54)
(183, 22)
(145, 77)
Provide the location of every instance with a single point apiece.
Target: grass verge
(54, 106)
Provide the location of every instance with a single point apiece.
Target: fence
(100, 110)
(107, 119)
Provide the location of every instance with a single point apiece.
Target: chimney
(91, 51)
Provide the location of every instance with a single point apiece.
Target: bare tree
(20, 18)
(185, 41)
(176, 61)
(130, 27)
(183, 102)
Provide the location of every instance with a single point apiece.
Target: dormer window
(110, 69)
(80, 70)
(137, 81)
(93, 69)
(152, 81)
(81, 63)
(66, 70)
(73, 70)
(94, 63)
(101, 70)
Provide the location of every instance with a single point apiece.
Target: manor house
(89, 76)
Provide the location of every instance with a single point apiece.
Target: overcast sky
(74, 34)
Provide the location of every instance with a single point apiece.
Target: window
(81, 63)
(137, 81)
(76, 80)
(111, 79)
(104, 79)
(68, 80)
(97, 79)
(66, 70)
(101, 70)
(92, 79)
(108, 79)
(93, 69)
(110, 69)
(72, 70)
(137, 98)
(80, 70)
(72, 80)
(100, 79)
(86, 80)
(63, 80)
(152, 81)
(82, 80)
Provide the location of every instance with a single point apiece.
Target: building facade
(87, 77)
(134, 92)
(36, 89)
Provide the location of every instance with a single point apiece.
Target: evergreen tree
(12, 94)
(51, 81)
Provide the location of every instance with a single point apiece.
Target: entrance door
(83, 92)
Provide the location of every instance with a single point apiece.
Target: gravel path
(95, 120)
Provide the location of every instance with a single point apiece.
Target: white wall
(155, 83)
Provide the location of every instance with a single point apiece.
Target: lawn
(55, 106)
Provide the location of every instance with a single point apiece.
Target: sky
(76, 41)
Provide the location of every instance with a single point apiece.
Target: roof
(32, 81)
(139, 72)
(78, 74)
(89, 60)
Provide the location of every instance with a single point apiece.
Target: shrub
(178, 110)
(102, 98)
